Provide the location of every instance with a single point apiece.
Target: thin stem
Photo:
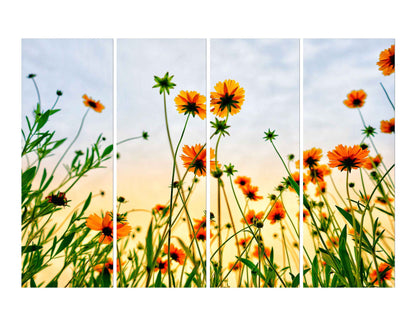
(388, 97)
(76, 137)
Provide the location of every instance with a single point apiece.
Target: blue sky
(332, 68)
(76, 67)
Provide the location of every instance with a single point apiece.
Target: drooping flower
(227, 98)
(105, 226)
(251, 192)
(176, 254)
(384, 200)
(244, 241)
(386, 61)
(387, 126)
(347, 157)
(277, 213)
(385, 272)
(305, 214)
(95, 105)
(332, 242)
(321, 188)
(161, 210)
(191, 103)
(197, 162)
(311, 157)
(58, 200)
(242, 181)
(355, 99)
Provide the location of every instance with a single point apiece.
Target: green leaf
(42, 120)
(31, 248)
(65, 242)
(52, 284)
(191, 276)
(107, 150)
(149, 246)
(106, 277)
(86, 204)
(315, 272)
(350, 219)
(345, 259)
(28, 176)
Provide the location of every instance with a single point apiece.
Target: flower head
(191, 103)
(229, 170)
(387, 127)
(220, 127)
(161, 265)
(318, 173)
(277, 213)
(369, 131)
(244, 241)
(227, 98)
(251, 192)
(311, 157)
(164, 83)
(242, 181)
(194, 159)
(58, 200)
(270, 135)
(252, 217)
(347, 158)
(355, 99)
(95, 105)
(235, 266)
(105, 226)
(385, 272)
(373, 162)
(108, 266)
(266, 251)
(176, 254)
(386, 61)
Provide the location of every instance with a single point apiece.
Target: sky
(332, 69)
(144, 168)
(76, 67)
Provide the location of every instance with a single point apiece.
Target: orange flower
(242, 181)
(191, 103)
(305, 214)
(321, 188)
(195, 162)
(252, 217)
(95, 105)
(277, 213)
(311, 157)
(372, 162)
(108, 265)
(200, 229)
(265, 252)
(228, 98)
(384, 201)
(176, 254)
(160, 209)
(355, 99)
(161, 265)
(385, 272)
(333, 241)
(347, 158)
(386, 61)
(296, 178)
(105, 225)
(387, 126)
(317, 174)
(251, 192)
(235, 267)
(244, 241)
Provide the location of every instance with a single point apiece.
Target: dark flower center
(392, 60)
(191, 108)
(174, 256)
(356, 102)
(251, 195)
(227, 102)
(311, 161)
(92, 104)
(242, 182)
(107, 231)
(198, 165)
(349, 163)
